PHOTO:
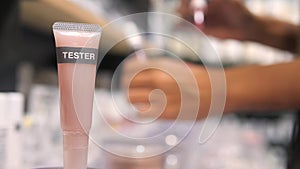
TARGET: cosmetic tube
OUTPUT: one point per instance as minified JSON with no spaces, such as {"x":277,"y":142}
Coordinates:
{"x":76,"y":51}
{"x":198,"y":7}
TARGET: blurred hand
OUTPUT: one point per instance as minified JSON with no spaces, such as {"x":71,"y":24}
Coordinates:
{"x":186,"y":10}
{"x":227,"y":19}
{"x":167,"y":87}
{"x":223,"y":18}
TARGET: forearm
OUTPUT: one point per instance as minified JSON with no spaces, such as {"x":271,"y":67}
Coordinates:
{"x":279,"y":34}
{"x":256,"y":88}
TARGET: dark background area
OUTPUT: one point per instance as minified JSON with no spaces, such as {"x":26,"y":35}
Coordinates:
{"x":20,"y":43}
{"x":10,"y":34}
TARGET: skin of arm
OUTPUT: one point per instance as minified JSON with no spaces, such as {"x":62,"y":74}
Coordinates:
{"x":255,"y":88}
{"x":249,"y":88}
{"x":276,"y":33}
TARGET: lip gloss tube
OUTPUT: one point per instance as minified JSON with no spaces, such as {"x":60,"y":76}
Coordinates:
{"x":77,"y":52}
{"x":198,"y":7}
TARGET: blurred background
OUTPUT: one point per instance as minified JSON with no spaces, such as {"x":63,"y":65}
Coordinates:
{"x":30,"y":99}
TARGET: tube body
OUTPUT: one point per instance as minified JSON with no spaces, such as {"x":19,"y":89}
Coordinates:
{"x":76,"y":50}
{"x":198,"y":7}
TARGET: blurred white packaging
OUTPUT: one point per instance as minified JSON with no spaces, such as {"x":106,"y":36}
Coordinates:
{"x":11,"y":114}
{"x":42,"y":133}
{"x":3,"y":130}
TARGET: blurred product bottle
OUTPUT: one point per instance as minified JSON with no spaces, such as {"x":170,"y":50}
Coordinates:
{"x":11,"y":114}
{"x":41,"y":127}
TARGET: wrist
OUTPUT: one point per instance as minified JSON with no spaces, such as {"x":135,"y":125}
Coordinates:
{"x":231,"y":101}
{"x":274,"y":33}
{"x":237,"y":86}
{"x":257,"y":29}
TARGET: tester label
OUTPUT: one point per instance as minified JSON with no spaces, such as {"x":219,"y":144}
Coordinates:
{"x":77,"y":55}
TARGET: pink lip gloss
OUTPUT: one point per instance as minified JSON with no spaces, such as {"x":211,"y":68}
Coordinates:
{"x":77,"y":51}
